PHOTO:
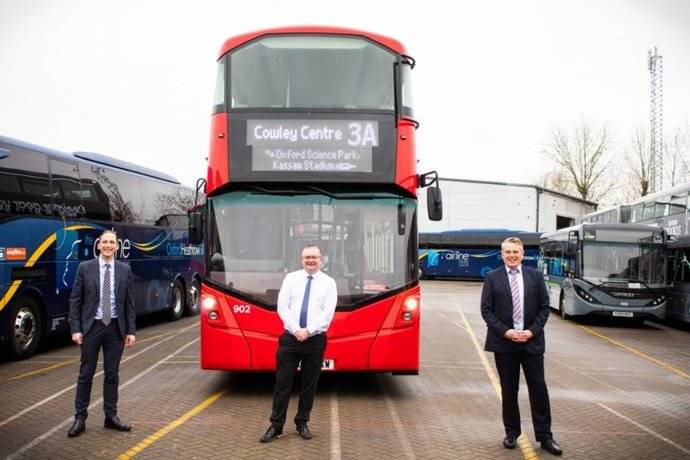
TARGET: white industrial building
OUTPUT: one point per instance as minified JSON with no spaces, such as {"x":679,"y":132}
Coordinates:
{"x":481,"y":204}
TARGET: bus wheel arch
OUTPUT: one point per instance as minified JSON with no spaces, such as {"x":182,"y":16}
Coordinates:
{"x":26,"y":328}
{"x":193,"y":297}
{"x":177,"y":300}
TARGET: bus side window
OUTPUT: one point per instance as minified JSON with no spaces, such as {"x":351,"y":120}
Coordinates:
{"x":66,"y":189}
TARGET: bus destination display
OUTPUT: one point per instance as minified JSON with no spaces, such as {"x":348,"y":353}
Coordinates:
{"x":312,"y":145}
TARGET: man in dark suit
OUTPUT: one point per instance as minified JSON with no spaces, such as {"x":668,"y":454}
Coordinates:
{"x":102,"y":315}
{"x":515,"y":306}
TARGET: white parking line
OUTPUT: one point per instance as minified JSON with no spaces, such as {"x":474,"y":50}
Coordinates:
{"x":644,"y":428}
{"x":65,"y":390}
{"x":405,"y":444}
{"x":94,"y":404}
{"x":335,"y":427}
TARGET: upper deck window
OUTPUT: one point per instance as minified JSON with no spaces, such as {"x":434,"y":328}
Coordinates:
{"x":312,"y":72}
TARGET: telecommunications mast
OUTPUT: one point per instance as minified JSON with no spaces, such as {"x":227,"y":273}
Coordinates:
{"x":656,"y":138}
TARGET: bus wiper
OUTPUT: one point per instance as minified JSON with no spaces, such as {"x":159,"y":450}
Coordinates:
{"x":341,"y":196}
{"x":623,"y":280}
{"x":265,"y":191}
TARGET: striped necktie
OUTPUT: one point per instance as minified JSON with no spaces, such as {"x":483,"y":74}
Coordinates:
{"x":515,"y":292}
{"x":105,"y":300}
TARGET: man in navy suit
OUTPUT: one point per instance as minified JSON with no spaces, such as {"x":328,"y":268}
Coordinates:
{"x":515,"y":306}
{"x":102,"y":315}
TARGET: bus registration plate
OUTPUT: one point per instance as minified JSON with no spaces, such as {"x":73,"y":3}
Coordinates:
{"x":625,"y":314}
{"x":328,"y":365}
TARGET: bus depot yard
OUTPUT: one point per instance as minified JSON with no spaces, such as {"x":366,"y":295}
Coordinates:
{"x":618,"y":390}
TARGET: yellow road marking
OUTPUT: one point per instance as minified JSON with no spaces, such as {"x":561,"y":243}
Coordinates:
{"x":635,"y":351}
{"x":42,"y":370}
{"x":526,"y":447}
{"x":136,"y":450}
{"x":71,"y":361}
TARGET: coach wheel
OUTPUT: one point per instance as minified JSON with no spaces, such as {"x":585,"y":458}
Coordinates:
{"x":194,"y":295}
{"x":25,"y":328}
{"x":176,"y":301}
{"x":561,"y":306}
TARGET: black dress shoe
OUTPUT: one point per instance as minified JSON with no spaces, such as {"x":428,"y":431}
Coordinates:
{"x":115,"y":423}
{"x":303,"y":431}
{"x":78,"y":428}
{"x":510,"y":441}
{"x":271,"y":434}
{"x":551,"y":447}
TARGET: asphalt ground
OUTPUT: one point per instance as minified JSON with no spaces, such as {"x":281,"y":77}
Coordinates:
{"x":618,"y":390}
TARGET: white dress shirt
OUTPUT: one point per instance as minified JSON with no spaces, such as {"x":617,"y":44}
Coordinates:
{"x":323,"y":296}
{"x":113,"y":309}
{"x":521,"y":285}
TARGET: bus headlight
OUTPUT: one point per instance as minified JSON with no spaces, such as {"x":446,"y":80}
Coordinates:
{"x":211,"y":308}
{"x":411,"y":304}
{"x":208,"y":302}
{"x":659,"y":300}
{"x":585,"y":295}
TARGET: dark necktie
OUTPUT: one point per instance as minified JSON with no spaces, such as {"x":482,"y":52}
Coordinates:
{"x":105,"y":301}
{"x":305,"y":304}
{"x":515,"y":291}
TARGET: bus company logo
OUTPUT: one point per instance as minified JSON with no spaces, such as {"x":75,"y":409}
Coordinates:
{"x":181,"y":249}
{"x":624,"y":294}
{"x":15,"y":254}
{"x":463,"y":258}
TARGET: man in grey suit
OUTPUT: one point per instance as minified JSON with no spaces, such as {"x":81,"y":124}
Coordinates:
{"x":102,"y":315}
{"x":515,"y":306}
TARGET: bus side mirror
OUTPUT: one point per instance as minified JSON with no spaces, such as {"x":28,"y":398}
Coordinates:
{"x":434,"y":203}
{"x":196,"y":227}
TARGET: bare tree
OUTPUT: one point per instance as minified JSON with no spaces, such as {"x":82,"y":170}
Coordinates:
{"x":583,"y":154}
{"x":638,"y":158}
{"x":677,"y":156}
{"x":556,"y":180}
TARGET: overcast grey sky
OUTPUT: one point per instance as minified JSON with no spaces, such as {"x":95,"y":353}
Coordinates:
{"x":135,"y":79}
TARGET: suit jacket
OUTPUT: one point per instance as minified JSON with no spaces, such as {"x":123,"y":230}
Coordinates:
{"x":86,"y":294}
{"x":497,"y":310}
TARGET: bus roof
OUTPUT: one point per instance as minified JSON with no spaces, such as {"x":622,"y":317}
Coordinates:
{"x":233,"y":42}
{"x":621,"y":227}
{"x":662,"y":193}
{"x":478,"y":237}
{"x":98,"y":158}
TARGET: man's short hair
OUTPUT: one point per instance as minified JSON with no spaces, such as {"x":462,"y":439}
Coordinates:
{"x":108,"y":231}
{"x":513,"y":240}
{"x":309,"y":246}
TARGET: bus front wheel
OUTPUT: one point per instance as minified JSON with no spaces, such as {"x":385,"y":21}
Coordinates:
{"x":176,"y":301}
{"x":25,"y":328}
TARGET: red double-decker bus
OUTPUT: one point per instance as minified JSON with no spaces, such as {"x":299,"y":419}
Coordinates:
{"x":312,"y":142}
